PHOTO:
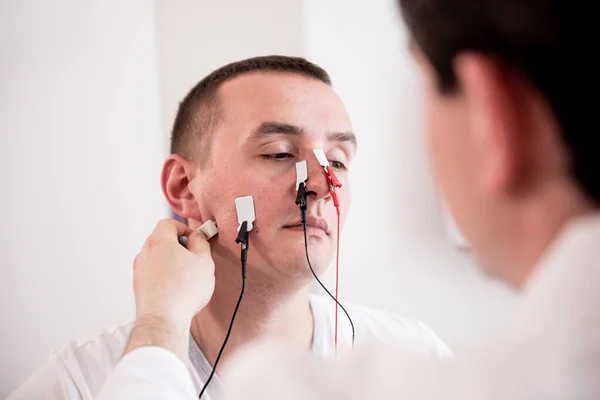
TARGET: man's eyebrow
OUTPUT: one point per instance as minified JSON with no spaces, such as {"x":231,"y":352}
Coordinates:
{"x":273,"y":127}
{"x":343,"y":137}
{"x":278,"y":128}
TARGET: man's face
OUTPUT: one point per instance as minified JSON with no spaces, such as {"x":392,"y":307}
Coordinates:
{"x":270,"y":122}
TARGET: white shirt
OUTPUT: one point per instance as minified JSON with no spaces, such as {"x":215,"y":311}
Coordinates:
{"x":551,"y":352}
{"x":79,"y":370}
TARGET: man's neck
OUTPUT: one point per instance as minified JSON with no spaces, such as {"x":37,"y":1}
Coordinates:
{"x":267,"y":311}
{"x":541,"y":226}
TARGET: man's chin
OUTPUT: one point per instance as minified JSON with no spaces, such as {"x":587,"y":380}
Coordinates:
{"x":294,"y":259}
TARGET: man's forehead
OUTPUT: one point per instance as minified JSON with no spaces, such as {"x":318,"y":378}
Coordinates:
{"x":271,"y":83}
{"x":287,"y":98}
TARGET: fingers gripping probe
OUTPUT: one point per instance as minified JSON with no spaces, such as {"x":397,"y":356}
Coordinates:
{"x":209,"y":229}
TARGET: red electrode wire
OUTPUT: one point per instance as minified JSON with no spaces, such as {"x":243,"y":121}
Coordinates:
{"x":337,"y":274}
{"x":333,"y":184}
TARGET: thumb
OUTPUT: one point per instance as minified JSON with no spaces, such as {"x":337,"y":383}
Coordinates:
{"x":197,"y":243}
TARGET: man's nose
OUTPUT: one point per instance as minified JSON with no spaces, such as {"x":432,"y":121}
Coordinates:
{"x":317,"y":186}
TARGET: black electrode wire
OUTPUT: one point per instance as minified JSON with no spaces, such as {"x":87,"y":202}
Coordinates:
{"x":303,"y":213}
{"x":243,"y":238}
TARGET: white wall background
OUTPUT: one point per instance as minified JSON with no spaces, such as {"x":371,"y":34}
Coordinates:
{"x":89,"y":93}
{"x":80,"y":157}
{"x":196,"y":37}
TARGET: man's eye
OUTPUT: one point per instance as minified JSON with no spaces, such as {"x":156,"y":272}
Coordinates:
{"x":337,"y":165}
{"x":277,"y":156}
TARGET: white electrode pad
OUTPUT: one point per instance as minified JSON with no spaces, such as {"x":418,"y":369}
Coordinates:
{"x":245,"y":211}
{"x":301,"y":173}
{"x":320,"y":154}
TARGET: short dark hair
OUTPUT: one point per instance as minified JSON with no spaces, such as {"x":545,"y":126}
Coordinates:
{"x":200,"y":110}
{"x":537,"y":38}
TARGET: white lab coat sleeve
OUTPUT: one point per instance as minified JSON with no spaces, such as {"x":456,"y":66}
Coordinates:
{"x":49,"y":383}
{"x":149,"y":373}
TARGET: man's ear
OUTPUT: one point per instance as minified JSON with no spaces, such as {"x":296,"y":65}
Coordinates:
{"x":176,"y":178}
{"x":496,"y":113}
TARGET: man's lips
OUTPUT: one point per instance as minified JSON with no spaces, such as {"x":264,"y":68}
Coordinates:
{"x":312,"y":223}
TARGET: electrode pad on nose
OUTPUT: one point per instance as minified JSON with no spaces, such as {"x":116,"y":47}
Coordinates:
{"x":301,"y":173}
{"x":321,"y":158}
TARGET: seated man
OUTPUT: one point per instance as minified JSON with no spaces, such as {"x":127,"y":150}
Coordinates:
{"x":240,"y":131}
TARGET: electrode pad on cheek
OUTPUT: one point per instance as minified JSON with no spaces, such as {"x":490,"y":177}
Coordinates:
{"x":245,"y":211}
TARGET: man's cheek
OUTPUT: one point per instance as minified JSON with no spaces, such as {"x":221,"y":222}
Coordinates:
{"x":267,"y":206}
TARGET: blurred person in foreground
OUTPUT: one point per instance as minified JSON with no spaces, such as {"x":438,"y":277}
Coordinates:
{"x":511,"y":139}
